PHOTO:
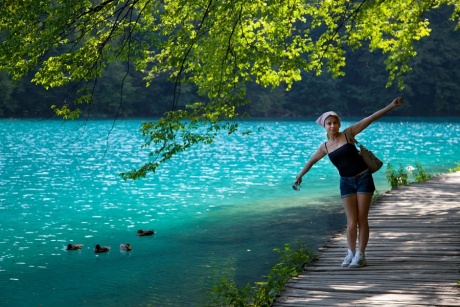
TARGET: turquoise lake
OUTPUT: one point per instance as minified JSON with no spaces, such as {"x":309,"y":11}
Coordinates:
{"x":218,"y":211}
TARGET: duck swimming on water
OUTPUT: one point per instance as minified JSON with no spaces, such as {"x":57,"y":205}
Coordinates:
{"x":126,"y":247}
{"x":145,"y":232}
{"x":101,"y":249}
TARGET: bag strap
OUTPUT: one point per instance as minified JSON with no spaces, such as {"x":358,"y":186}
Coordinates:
{"x":351,"y":138}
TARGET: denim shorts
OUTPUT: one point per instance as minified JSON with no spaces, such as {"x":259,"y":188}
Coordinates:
{"x":360,"y":184}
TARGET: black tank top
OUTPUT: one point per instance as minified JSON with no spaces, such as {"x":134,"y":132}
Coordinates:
{"x":347,"y":159}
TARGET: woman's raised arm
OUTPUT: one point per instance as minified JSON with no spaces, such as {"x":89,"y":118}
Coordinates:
{"x":365,"y":122}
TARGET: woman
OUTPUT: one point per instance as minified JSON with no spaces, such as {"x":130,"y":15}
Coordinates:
{"x":356,"y":182}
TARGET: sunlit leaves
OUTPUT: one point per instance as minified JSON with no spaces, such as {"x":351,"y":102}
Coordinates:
{"x":217,"y":45}
{"x":392,"y":27}
{"x":65,"y":112}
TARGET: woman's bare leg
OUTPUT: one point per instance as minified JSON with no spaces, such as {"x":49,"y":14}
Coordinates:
{"x":363,"y":206}
{"x":351,"y":210}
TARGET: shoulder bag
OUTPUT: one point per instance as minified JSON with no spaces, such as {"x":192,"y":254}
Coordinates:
{"x":373,"y":163}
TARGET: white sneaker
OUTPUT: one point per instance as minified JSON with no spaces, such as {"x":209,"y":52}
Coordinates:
{"x":348,"y":258}
{"x":358,"y":261}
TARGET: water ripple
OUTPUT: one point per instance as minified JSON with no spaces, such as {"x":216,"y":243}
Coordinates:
{"x":218,"y":210}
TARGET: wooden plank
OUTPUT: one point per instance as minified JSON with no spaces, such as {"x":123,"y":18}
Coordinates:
{"x":385,"y":299}
{"x":382,"y":282}
{"x":413,"y":254}
{"x":368,"y":287}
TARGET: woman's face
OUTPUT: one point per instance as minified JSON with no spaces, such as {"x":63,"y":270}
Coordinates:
{"x":332,"y":125}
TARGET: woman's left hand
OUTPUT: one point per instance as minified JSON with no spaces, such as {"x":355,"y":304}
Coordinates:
{"x":397,"y":102}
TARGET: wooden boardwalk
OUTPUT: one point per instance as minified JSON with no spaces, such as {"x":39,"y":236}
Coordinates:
{"x":413,"y":254}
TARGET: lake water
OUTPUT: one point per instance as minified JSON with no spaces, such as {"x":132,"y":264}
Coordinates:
{"x":218,"y":211}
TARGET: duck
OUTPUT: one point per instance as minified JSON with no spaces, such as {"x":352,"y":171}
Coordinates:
{"x":126,"y":247}
{"x":145,"y":232}
{"x":72,"y":247}
{"x":101,"y":249}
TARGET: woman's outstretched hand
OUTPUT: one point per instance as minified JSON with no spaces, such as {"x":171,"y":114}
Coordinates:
{"x":298,"y":180}
{"x":397,"y":102}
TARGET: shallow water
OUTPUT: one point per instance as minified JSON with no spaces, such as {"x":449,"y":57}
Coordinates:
{"x":218,"y":211}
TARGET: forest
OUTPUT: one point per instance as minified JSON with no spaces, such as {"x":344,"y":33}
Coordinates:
{"x":431,"y":88}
